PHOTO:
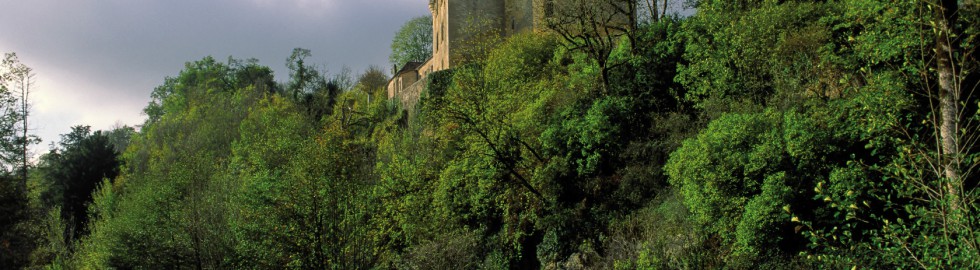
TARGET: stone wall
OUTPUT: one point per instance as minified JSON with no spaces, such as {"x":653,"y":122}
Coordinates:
{"x":459,"y":25}
{"x":440,"y":42}
{"x":409,"y":96}
{"x":404,"y":78}
{"x":519,"y":16}
{"x":467,"y":19}
{"x":456,"y":23}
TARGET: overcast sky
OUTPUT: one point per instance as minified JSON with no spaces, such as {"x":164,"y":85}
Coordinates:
{"x":97,"y":61}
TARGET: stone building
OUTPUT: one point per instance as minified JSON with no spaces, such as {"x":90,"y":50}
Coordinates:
{"x":458,"y":26}
{"x":456,"y":22}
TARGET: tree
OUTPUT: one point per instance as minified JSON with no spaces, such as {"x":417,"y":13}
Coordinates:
{"x":412,"y":43}
{"x":940,"y":164}
{"x":732,"y":58}
{"x":373,"y":79}
{"x":303,"y":77}
{"x":652,"y":10}
{"x":300,"y":195}
{"x":74,"y":169}
{"x":344,"y":80}
{"x":20,"y":78}
{"x":119,"y":137}
{"x":169,"y":205}
{"x":594,"y":28}
{"x":311,"y":88}
{"x":13,"y":211}
{"x":950,"y":77}
{"x":16,"y":80}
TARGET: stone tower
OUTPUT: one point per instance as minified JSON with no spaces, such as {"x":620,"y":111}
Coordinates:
{"x":458,"y":26}
{"x":457,"y":22}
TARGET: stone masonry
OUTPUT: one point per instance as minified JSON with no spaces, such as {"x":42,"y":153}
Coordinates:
{"x":454,"y":23}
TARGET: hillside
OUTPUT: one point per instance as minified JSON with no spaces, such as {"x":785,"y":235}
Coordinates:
{"x":751,"y":135}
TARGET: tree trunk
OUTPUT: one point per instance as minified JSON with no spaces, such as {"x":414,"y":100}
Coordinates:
{"x":949,"y":98}
{"x":652,"y":8}
{"x":25,"y":92}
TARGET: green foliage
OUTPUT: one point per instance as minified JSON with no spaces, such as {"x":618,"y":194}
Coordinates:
{"x":535,"y":148}
{"x":754,"y":134}
{"x":72,"y":172}
{"x":408,"y":170}
{"x":746,"y":177}
{"x":412,"y":42}
{"x":54,"y":247}
{"x":300,"y":197}
{"x":182,"y":93}
{"x":448,"y":251}
{"x":13,"y":233}
{"x":169,"y":206}
{"x":724,"y":168}
{"x":595,"y":135}
{"x":660,"y":236}
{"x":729,"y":54}
{"x":310,"y":87}
{"x":372,"y":81}
{"x":16,"y":230}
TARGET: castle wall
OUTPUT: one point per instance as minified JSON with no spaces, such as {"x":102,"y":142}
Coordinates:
{"x":410,"y":95}
{"x":401,"y":81}
{"x":539,"y":15}
{"x":440,"y":44}
{"x":519,"y":16}
{"x":467,"y":20}
{"x":459,"y":26}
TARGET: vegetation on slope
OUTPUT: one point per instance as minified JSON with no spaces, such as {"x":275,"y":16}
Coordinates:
{"x":756,"y":134}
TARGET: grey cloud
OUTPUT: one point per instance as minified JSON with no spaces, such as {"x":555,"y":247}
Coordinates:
{"x":123,"y":48}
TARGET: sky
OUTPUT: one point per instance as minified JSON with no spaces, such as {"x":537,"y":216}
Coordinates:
{"x":97,"y":61}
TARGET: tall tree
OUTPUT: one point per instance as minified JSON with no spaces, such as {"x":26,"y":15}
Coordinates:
{"x":344,"y":80}
{"x":950,"y":83}
{"x":311,"y":87}
{"x":15,"y":78}
{"x":119,"y":137}
{"x":20,"y":78}
{"x":301,"y":74}
{"x":74,"y":169}
{"x":412,"y":43}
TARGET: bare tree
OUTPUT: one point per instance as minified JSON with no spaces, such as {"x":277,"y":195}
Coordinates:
{"x":653,"y":10}
{"x":21,"y":79}
{"x":593,"y":26}
{"x":26,"y":82}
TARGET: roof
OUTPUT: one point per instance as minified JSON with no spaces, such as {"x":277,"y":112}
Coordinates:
{"x":410,"y":66}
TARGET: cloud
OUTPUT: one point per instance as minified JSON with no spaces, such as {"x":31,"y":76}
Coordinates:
{"x":98,"y":60}
{"x":307,"y":5}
